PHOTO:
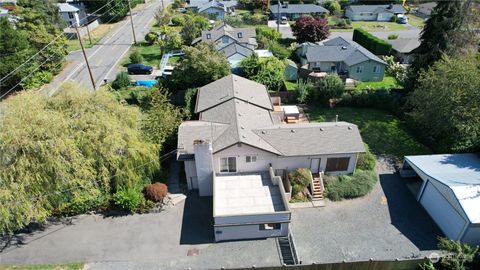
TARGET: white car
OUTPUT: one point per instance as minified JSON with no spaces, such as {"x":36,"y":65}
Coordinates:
{"x":402,"y":19}
{"x":283,"y":20}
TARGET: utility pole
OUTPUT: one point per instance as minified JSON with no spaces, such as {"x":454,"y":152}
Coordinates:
{"x":131,"y":21}
{"x":86,"y":58}
{"x":278,"y":15}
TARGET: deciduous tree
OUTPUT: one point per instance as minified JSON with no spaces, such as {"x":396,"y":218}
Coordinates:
{"x":267,"y":71}
{"x":310,"y":29}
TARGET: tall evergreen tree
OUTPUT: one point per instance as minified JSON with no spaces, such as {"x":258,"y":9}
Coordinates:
{"x":438,"y":35}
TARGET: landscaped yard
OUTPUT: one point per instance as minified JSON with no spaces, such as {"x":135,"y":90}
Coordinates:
{"x":63,"y":266}
{"x":371,"y":26}
{"x":416,"y":21}
{"x":151,"y":54}
{"x":173,"y":60}
{"x":387,"y":83}
{"x":383,"y":132}
{"x":290,"y":85}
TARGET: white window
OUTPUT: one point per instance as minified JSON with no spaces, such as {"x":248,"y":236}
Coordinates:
{"x":228,"y":164}
{"x":209,"y":36}
{"x":250,"y":159}
{"x":269,"y":226}
{"x":359,"y":69}
{"x":376,"y":69}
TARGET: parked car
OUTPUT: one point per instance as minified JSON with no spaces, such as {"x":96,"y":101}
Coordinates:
{"x":283,"y":20}
{"x":146,"y":83}
{"x":402,"y":19}
{"x":139,"y":69}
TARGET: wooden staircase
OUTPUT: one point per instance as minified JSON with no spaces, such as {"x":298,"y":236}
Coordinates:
{"x":317,"y":188}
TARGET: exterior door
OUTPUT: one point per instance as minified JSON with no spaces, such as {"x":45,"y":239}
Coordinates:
{"x":315,"y":165}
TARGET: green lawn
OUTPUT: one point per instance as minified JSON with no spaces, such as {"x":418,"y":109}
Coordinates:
{"x":383,"y":132}
{"x":372,"y":26}
{"x":290,"y":85}
{"x":174,"y":60}
{"x":62,"y":266}
{"x":151,"y":54}
{"x":387,"y":83}
{"x":416,"y":21}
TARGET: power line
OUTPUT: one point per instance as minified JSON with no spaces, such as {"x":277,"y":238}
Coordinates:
{"x":50,"y":43}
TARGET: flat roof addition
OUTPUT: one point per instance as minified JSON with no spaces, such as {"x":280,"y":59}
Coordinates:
{"x":245,"y":195}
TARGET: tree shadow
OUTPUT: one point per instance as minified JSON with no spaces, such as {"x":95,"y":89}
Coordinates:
{"x":408,"y":215}
{"x":197,"y":221}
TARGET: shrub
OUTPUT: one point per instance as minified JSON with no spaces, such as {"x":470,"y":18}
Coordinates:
{"x":155,"y":192}
{"x":384,"y":99}
{"x":392,"y":36}
{"x":395,"y":69}
{"x":190,"y":99}
{"x":38,"y":79}
{"x":268,"y":32}
{"x":370,"y":42}
{"x":178,"y":20}
{"x":278,"y":50}
{"x":350,"y":186}
{"x":366,"y":161}
{"x":151,"y":38}
{"x":127,"y":198}
{"x":331,"y":86}
{"x":234,"y":21}
{"x":300,"y":179}
{"x":136,"y":58}
{"x":393,"y":18}
{"x":121,"y":81}
{"x":303,"y":89}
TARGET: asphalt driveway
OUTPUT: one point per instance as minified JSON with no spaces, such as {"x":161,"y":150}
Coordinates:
{"x":388,"y":223}
{"x":285,"y":29}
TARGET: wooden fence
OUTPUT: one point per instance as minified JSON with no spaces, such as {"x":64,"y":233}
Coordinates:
{"x":407,"y":264}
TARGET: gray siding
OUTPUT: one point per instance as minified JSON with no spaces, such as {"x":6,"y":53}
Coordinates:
{"x":367,"y":74}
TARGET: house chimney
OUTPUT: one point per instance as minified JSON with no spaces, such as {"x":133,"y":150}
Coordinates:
{"x":204,"y":165}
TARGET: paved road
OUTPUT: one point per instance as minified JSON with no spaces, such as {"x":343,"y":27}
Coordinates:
{"x":285,"y":29}
{"x":105,"y":56}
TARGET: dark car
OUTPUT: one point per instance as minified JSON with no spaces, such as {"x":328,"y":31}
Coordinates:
{"x":139,"y":69}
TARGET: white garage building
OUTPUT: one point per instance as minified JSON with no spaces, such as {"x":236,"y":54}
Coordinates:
{"x":450,"y":192}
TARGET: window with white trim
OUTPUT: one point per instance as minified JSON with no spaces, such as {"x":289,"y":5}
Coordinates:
{"x":228,"y":164}
{"x":250,"y":159}
{"x":359,"y":69}
{"x":376,"y":69}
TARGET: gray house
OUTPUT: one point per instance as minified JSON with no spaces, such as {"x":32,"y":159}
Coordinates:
{"x":235,"y":53}
{"x":373,"y":12}
{"x":223,"y":35}
{"x":294,"y":11}
{"x":239,"y":149}
{"x":215,"y":10}
{"x":344,"y":57}
{"x":404,"y":49}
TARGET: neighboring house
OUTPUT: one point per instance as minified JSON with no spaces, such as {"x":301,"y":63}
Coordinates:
{"x":291,"y":71}
{"x":70,"y":14}
{"x":341,"y":56}
{"x":404,"y":49}
{"x":373,"y":12}
{"x":224,"y":35}
{"x":3,"y":12}
{"x":235,"y":53}
{"x":424,"y":10}
{"x":238,"y":146}
{"x":214,"y":9}
{"x":449,"y":190}
{"x":294,"y":11}
{"x":228,"y":4}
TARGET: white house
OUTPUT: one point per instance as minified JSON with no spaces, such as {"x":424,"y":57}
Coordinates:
{"x":449,"y":192}
{"x":223,"y":35}
{"x":70,"y":14}
{"x":373,"y":12}
{"x":238,"y":142}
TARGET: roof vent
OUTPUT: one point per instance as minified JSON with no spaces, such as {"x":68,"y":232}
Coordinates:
{"x":321,"y":129}
{"x":344,"y":47}
{"x":349,"y":128}
{"x":264,"y":132}
{"x":243,"y":136}
{"x":293,"y":130}
{"x":242,"y":127}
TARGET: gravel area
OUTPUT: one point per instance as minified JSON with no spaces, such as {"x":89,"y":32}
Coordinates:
{"x":387,"y":223}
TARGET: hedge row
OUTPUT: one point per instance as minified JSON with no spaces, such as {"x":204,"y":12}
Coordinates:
{"x":391,"y":100}
{"x":372,"y":43}
{"x":350,"y":186}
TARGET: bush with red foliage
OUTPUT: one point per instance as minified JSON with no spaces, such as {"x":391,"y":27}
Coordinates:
{"x":155,"y":192}
{"x":310,"y":29}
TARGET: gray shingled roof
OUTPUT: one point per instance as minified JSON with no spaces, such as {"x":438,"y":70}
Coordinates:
{"x":247,"y":34}
{"x":313,"y":138}
{"x":404,"y":45}
{"x":234,"y":110}
{"x":229,"y":87}
{"x":298,"y":8}
{"x":234,"y":48}
{"x":377,"y":8}
{"x":65,"y":7}
{"x":211,"y":4}
{"x":340,"y":50}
